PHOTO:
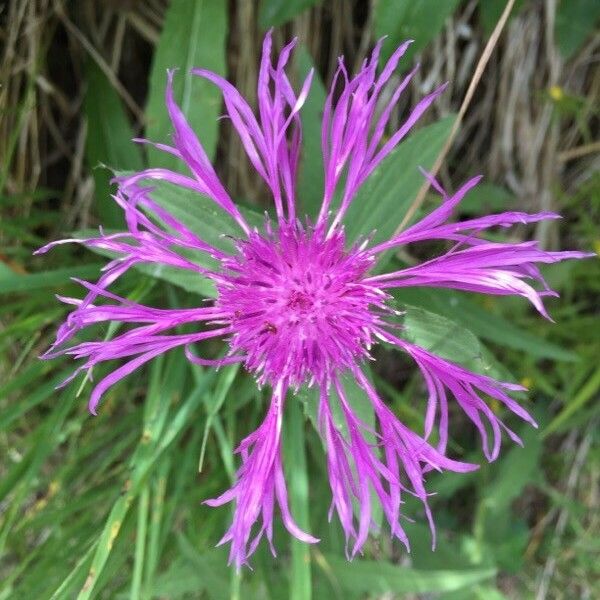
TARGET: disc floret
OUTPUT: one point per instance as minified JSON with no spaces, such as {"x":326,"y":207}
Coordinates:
{"x":298,"y":304}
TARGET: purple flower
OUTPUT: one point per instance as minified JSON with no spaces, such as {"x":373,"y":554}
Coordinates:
{"x":299,"y":306}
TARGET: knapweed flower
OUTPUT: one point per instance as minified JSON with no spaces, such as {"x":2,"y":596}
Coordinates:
{"x":299,"y":306}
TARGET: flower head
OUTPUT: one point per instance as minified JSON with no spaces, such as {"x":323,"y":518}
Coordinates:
{"x":298,"y":305}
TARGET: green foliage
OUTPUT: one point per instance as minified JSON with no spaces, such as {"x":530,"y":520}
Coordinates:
{"x":203,"y":217}
{"x":576,"y":20}
{"x":298,"y":484}
{"x":364,"y":576}
{"x":386,"y":195}
{"x":11,"y":282}
{"x":491,"y":10}
{"x":440,"y":335}
{"x":274,"y":13}
{"x":407,"y":20}
{"x":108,"y":142}
{"x":193,"y":35}
{"x":111,"y":507}
{"x":486,"y":198}
{"x":484,"y":323}
{"x":310,"y":177}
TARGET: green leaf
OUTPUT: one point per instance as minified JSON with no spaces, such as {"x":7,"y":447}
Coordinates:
{"x":356,"y":396}
{"x":33,"y":398}
{"x":361,"y":407}
{"x":588,"y":391}
{"x":214,"y":403}
{"x":179,"y":581}
{"x":189,"y":281}
{"x":481,"y":322}
{"x":297,"y":477}
{"x":378,"y":577}
{"x":72,"y":580}
{"x":448,"y":553}
{"x":204,"y":218}
{"x":140,"y":543}
{"x":108,"y":141}
{"x":209,"y":222}
{"x":159,"y":434}
{"x":575,"y":22}
{"x":500,"y":532}
{"x":518,"y":467}
{"x":277,"y":12}
{"x":11,"y":282}
{"x":193,"y":36}
{"x":385,"y":197}
{"x":409,"y":20}
{"x":486,"y":198}
{"x":202,"y":215}
{"x":441,"y":336}
{"x":190,"y":577}
{"x":491,"y":10}
{"x":210,"y":569}
{"x":18,"y":480}
{"x":450,"y":340}
{"x":311,"y":176}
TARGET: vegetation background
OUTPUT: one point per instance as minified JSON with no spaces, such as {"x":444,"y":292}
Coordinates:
{"x":110,"y":507}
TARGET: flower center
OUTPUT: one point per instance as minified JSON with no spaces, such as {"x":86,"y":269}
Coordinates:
{"x":297,"y":304}
{"x":300,"y":301}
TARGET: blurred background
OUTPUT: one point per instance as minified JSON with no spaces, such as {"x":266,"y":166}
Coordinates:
{"x":110,"y":507}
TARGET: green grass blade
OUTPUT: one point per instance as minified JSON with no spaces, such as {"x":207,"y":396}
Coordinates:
{"x":140,"y":544}
{"x":378,"y":577}
{"x":297,"y":476}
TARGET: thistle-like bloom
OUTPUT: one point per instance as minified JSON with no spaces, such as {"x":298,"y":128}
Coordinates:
{"x":298,"y":305}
